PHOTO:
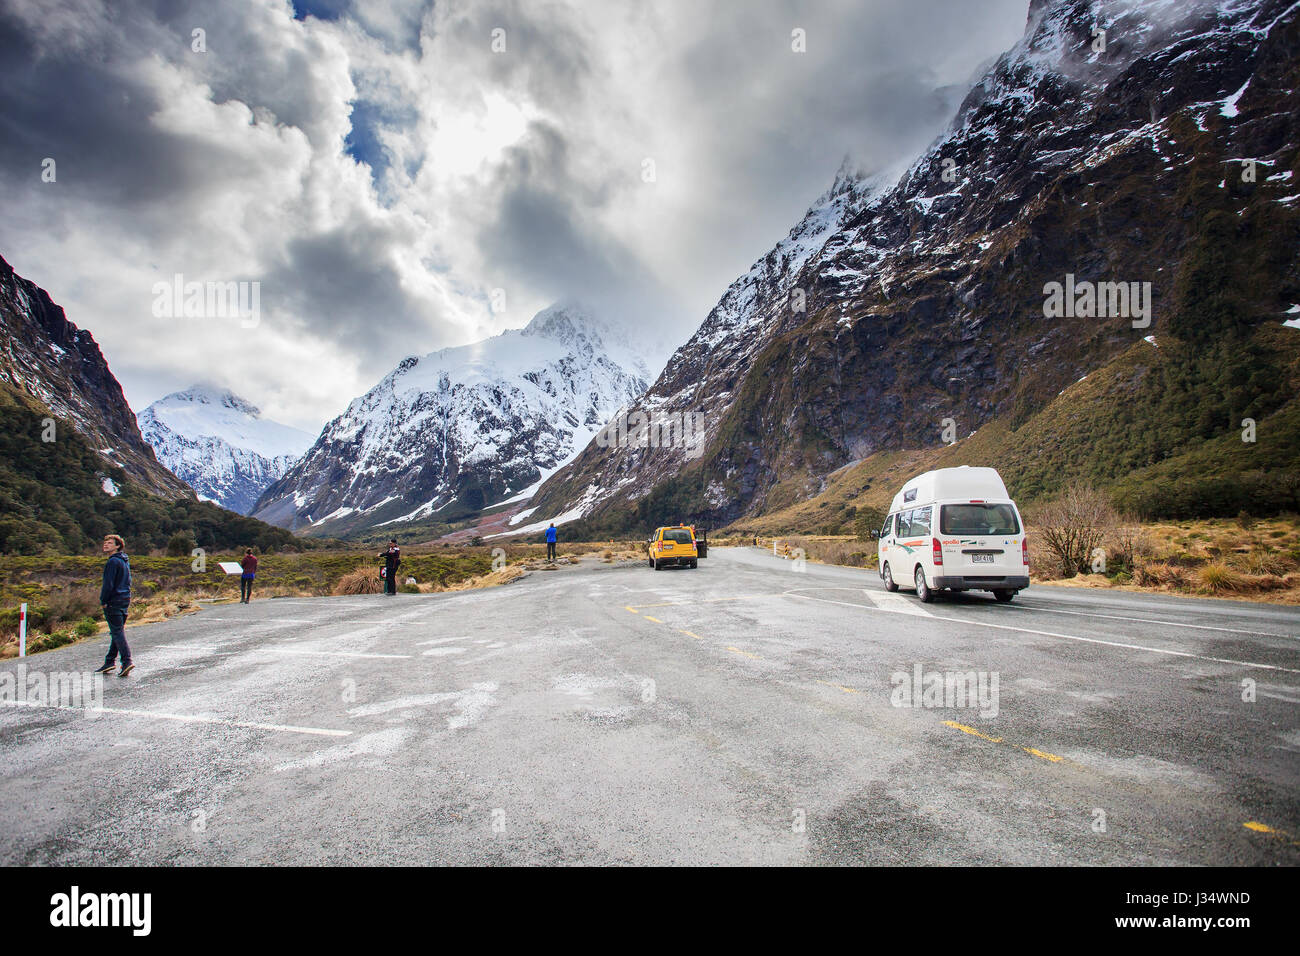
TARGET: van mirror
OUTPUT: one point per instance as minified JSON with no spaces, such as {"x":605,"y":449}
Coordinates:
{"x":875,"y":535}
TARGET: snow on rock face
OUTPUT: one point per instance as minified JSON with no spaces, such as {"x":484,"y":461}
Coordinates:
{"x":460,"y":428}
{"x":927,"y":284}
{"x":220,"y":444}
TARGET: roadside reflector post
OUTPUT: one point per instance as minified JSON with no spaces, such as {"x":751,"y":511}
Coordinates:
{"x":22,"y":631}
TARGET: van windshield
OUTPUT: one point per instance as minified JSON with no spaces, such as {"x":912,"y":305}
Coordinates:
{"x":978,"y":519}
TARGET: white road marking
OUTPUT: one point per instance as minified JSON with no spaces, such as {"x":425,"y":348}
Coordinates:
{"x":306,"y":652}
{"x":1145,"y":620}
{"x":896,"y":602}
{"x":1067,"y":637}
{"x":189,"y":719}
{"x":440,"y":640}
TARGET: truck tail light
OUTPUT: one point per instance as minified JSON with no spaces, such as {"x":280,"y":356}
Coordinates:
{"x":938,"y":550}
{"x":1024,"y":549}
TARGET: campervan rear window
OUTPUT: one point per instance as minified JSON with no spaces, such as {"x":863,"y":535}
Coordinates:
{"x":978,"y":519}
{"x":678,"y":535}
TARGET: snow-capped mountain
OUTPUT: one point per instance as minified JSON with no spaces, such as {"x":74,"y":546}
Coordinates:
{"x":462,"y":428}
{"x":220,"y":444}
{"x":898,"y":303}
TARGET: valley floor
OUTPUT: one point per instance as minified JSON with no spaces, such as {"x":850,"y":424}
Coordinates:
{"x":607,"y":713}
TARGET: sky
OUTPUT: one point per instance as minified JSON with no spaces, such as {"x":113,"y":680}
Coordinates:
{"x":398,"y":177}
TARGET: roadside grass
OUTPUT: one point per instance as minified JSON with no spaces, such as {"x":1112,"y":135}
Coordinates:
{"x":62,"y":591}
{"x":1244,"y":559}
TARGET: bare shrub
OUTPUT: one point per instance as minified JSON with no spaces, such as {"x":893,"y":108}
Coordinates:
{"x":1126,"y":544}
{"x":1073,"y":525}
{"x":69,"y":605}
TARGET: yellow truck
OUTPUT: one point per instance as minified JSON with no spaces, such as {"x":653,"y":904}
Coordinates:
{"x":673,"y":545}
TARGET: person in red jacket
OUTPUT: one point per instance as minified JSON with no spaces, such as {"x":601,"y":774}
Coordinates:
{"x":249,"y":564}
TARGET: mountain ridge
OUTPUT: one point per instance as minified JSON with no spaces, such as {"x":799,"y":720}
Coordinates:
{"x":462,"y":428}
{"x":923,"y":301}
{"x":219,"y":443}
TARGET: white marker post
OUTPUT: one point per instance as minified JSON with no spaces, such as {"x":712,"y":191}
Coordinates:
{"x":22,"y":631}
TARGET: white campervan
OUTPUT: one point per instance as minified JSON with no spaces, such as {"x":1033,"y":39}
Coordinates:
{"x":955,"y":529}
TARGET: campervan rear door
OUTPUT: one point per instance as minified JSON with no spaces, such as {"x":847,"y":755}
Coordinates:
{"x":980,"y":538}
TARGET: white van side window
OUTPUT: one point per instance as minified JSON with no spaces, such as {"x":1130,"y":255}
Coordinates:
{"x":921,"y":521}
{"x":904,"y":524}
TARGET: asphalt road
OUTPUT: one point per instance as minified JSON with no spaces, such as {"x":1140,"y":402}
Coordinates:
{"x":743,"y":712}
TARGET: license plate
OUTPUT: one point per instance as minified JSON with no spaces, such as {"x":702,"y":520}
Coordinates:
{"x":982,"y":558}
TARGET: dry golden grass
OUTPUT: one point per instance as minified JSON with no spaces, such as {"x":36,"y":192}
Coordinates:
{"x":490,"y":580}
{"x":363,"y":580}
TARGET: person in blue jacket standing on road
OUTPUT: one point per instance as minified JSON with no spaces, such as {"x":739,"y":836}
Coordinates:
{"x":115,"y":598}
{"x":550,"y":542}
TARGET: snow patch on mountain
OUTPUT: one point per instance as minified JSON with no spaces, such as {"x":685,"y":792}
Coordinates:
{"x":220,"y":444}
{"x":464,"y":428}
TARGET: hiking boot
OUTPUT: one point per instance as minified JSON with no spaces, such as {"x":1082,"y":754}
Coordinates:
{"x":106,"y":669}
{"x":126,"y":669}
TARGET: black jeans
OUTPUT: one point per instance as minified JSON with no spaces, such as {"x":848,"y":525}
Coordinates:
{"x":550,"y":551}
{"x":390,"y":580}
{"x":116,"y":617}
{"x":245,"y":588}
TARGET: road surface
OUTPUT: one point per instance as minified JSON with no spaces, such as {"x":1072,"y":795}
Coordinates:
{"x":744,"y":712}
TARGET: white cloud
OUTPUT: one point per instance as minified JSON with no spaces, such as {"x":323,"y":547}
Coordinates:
{"x":519,"y":170}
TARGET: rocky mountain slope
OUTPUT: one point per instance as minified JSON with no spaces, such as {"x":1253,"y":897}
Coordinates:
{"x":220,"y":444}
{"x":896,"y":312}
{"x":445,"y":435}
{"x":45,"y":356}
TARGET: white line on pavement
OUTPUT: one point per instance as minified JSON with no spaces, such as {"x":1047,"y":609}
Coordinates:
{"x":1067,"y":637}
{"x":895,"y":602}
{"x":188,"y":719}
{"x":1144,"y":620}
{"x":306,"y":652}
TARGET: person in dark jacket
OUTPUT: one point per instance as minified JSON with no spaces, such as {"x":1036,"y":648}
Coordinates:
{"x":115,"y":598}
{"x":551,"y":535}
{"x":392,"y":558}
{"x":249,"y":564}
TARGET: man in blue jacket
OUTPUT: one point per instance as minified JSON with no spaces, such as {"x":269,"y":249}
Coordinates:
{"x":115,"y":598}
{"x":550,"y":543}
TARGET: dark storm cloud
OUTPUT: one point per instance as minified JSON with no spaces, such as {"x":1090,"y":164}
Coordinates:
{"x":547,"y":235}
{"x":342,"y":285}
{"x":170,"y":160}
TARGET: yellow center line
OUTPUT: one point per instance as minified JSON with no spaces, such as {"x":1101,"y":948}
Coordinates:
{"x":972,"y":731}
{"x":847,"y":690}
{"x":632,"y":609}
{"x":1041,"y":753}
{"x":737,"y":650}
{"x":1270,"y":831}
{"x":742,"y":597}
{"x":655,"y":619}
{"x":689,"y":634}
{"x":1033,"y":751}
